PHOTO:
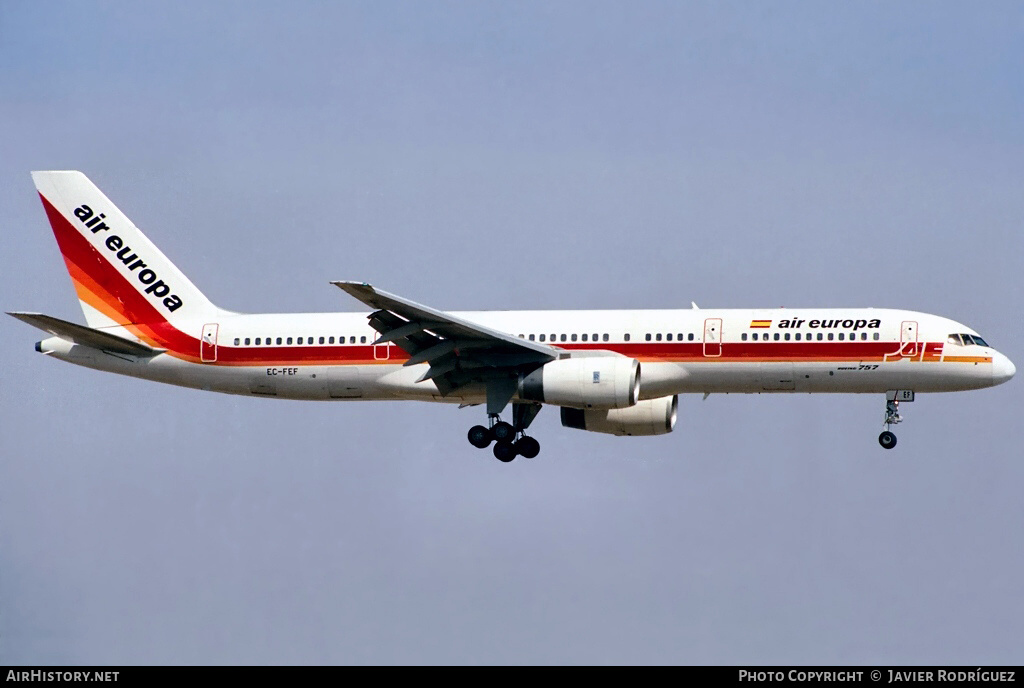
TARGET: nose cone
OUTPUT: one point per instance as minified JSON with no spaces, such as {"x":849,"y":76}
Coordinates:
{"x":1002,"y":369}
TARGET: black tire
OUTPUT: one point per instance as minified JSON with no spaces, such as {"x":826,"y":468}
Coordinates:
{"x":502,"y":432}
{"x":479,"y":437}
{"x":887,"y":440}
{"x":527,"y":447}
{"x":504,"y":451}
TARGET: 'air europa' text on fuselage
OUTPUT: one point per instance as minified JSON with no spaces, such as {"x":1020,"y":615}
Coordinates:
{"x":825,"y":324}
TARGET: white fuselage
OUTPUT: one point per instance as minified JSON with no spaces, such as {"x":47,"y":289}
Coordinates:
{"x":331,"y":356}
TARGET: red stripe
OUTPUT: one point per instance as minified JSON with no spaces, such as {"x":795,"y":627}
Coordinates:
{"x":667,"y":352}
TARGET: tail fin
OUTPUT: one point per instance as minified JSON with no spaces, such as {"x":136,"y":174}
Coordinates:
{"x":121,"y":278}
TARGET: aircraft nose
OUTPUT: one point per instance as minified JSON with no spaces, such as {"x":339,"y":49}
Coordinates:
{"x":1002,"y":368}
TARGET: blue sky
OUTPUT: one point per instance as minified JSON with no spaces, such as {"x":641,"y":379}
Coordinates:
{"x":514,"y":156}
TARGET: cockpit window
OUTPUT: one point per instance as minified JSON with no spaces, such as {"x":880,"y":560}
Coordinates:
{"x":966,"y":340}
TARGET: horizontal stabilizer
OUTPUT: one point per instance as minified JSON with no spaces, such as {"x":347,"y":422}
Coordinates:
{"x":86,"y":336}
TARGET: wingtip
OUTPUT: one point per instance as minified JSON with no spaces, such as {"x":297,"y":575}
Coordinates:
{"x":343,"y":284}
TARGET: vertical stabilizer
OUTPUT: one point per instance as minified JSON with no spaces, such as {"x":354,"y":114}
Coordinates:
{"x":121,"y":278}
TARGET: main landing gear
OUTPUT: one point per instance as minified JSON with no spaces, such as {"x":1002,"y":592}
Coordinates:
{"x":509,"y":439}
{"x":892,"y":416}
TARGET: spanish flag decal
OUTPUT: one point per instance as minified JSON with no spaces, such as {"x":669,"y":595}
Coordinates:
{"x":760,"y":323}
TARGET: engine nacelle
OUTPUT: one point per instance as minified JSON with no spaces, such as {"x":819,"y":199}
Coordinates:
{"x":649,"y":417}
{"x":591,"y":382}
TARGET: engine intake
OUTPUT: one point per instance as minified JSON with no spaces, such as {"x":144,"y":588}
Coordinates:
{"x":649,"y":417}
{"x":592,"y":382}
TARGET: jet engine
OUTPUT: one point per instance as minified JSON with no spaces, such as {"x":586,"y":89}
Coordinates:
{"x":649,"y":417}
{"x":591,"y":382}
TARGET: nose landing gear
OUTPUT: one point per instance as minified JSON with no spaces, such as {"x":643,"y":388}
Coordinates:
{"x":892,"y":416}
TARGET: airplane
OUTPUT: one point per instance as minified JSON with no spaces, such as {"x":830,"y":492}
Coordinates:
{"x":609,"y":371}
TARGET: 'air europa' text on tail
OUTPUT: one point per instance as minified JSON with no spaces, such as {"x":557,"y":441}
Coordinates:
{"x":154,"y":285}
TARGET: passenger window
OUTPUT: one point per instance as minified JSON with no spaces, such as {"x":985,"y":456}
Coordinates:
{"x":831,"y":336}
{"x":647,"y":337}
{"x":776,"y":336}
{"x":563,"y":337}
{"x":797,"y":336}
{"x":573,"y":338}
{"x":543,"y":337}
{"x":257,"y":341}
{"x":604,"y":337}
{"x":309,"y":340}
{"x":593,"y":338}
{"x":689,"y":337}
{"x":820,"y":336}
{"x":362,"y":340}
{"x":584,"y":336}
{"x":743,"y":336}
{"x":289,"y":340}
{"x":236,"y":341}
{"x":679,"y":336}
{"x":625,"y":337}
{"x":247,"y":340}
{"x":330,"y":340}
{"x":786,"y":337}
{"x":279,"y":340}
{"x":863,"y":336}
{"x":658,"y":336}
{"x":841,"y":336}
{"x":531,"y":337}
{"x":352,"y":340}
{"x":322,"y":340}
{"x":668,"y":337}
{"x":554,"y":337}
{"x":876,"y":336}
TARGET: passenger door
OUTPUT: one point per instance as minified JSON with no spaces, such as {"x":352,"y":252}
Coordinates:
{"x":208,"y":343}
{"x":713,"y":337}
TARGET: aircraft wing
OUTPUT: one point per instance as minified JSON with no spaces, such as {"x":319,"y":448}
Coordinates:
{"x":458,"y":351}
{"x":86,"y":336}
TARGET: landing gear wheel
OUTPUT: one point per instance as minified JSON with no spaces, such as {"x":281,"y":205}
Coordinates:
{"x":887,"y":439}
{"x":479,"y":436}
{"x":527,"y":447}
{"x":504,"y":451}
{"x":503,"y":432}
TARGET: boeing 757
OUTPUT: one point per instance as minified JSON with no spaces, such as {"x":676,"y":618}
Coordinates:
{"x":611,"y":371}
